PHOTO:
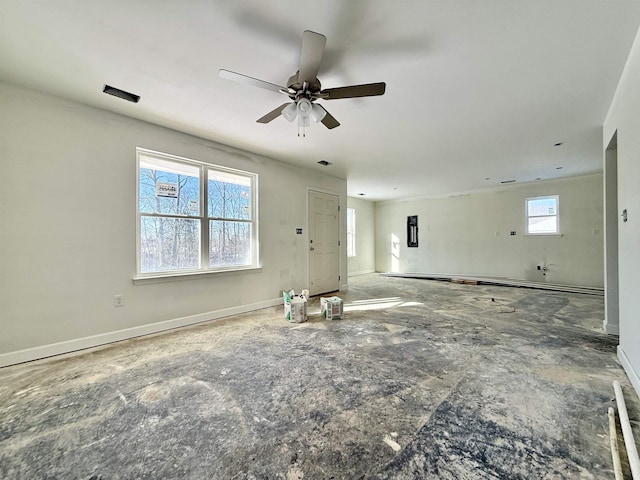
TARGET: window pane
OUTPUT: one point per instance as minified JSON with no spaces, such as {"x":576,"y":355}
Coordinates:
{"x":169,"y":187}
{"x":229,"y":243}
{"x":168,"y":244}
{"x":542,"y":206}
{"x":229,"y":196}
{"x":543,"y":224}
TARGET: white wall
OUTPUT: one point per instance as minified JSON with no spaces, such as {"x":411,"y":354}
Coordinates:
{"x":469,"y":234}
{"x":68,"y":223}
{"x":624,"y":118}
{"x":364,"y":261}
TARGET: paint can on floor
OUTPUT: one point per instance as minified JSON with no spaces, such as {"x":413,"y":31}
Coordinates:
{"x":331,"y":308}
{"x":295,"y":306}
{"x":298,"y":310}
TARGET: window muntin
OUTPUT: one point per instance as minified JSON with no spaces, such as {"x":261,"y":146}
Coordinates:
{"x":351,"y":232}
{"x":175,"y":235}
{"x":542,"y":215}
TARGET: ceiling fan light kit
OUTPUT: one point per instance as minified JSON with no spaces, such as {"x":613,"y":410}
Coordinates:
{"x":304,"y":88}
{"x":303,"y":110}
{"x":290,"y":112}
{"x":304,"y":107}
{"x":317,"y":112}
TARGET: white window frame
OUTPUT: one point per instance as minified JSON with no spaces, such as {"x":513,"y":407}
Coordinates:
{"x":556,"y":216}
{"x":203,"y":217}
{"x":351,"y":232}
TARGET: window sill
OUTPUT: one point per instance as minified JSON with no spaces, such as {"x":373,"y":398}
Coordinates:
{"x":543,"y":234}
{"x":179,"y":276}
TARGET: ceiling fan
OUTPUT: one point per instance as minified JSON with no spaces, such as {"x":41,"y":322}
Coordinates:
{"x":304,"y":88}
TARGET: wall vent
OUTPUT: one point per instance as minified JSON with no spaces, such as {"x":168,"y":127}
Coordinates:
{"x":116,"y":92}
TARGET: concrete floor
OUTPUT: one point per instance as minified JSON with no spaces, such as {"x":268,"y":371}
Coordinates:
{"x":421,"y":379}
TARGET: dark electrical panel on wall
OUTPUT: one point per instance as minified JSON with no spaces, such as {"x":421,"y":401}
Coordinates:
{"x":412,"y":231}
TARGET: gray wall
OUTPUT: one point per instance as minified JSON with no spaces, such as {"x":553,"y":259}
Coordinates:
{"x":624,"y":118}
{"x":470,"y":234}
{"x":68,"y":216}
{"x":364,"y":261}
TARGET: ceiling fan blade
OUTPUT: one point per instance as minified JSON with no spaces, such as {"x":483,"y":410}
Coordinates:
{"x":273,"y":114}
{"x":354,"y":91}
{"x":311,"y":55}
{"x":238,"y":77}
{"x":328,"y":120}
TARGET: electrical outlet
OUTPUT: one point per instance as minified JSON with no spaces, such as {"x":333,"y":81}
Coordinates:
{"x":118,"y":300}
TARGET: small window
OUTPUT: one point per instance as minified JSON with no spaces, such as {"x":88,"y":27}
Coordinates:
{"x":351,"y":232}
{"x":194,"y":217}
{"x":542,"y":215}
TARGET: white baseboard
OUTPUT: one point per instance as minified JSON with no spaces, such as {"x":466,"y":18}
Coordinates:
{"x":629,"y":370}
{"x":361,"y":272}
{"x":610,"y":328}
{"x":43,"y":351}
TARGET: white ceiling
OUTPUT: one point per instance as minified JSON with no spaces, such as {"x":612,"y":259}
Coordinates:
{"x":478,"y":92}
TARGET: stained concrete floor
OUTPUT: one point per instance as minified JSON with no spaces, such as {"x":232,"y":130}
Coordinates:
{"x":421,"y":379}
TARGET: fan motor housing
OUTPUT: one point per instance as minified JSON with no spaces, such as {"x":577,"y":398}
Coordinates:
{"x":295,"y":83}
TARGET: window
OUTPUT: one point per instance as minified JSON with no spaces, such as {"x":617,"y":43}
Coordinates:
{"x":351,"y":232}
{"x":542,"y":215}
{"x":194,"y":217}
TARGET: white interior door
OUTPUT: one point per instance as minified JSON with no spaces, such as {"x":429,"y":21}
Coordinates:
{"x":324,"y":243}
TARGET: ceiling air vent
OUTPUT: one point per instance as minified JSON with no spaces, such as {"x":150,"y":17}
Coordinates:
{"x":116,"y":92}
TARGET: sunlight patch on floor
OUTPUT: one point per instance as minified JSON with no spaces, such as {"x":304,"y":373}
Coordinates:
{"x":379,"y":304}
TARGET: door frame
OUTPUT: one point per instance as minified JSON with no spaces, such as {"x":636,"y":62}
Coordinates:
{"x":341,"y":221}
{"x":611,"y":323}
